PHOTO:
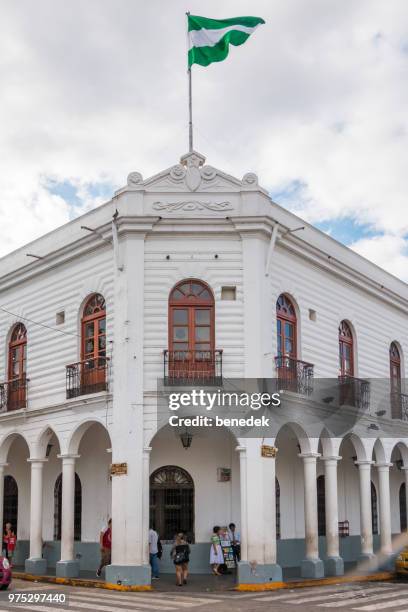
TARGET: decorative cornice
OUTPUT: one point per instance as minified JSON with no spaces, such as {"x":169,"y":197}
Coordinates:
{"x":192,"y":205}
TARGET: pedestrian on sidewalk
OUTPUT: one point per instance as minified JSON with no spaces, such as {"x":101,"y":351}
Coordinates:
{"x":6,"y":532}
{"x":153,"y":552}
{"x":11,"y":545}
{"x":216,"y":555}
{"x":235,"y":538}
{"x":105,"y":541}
{"x":180,"y":553}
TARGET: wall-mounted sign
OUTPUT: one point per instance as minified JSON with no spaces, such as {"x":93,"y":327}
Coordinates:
{"x":118,"y":469}
{"x":223,"y":474}
{"x":268,"y":451}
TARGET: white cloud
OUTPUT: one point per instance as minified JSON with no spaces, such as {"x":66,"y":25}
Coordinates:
{"x":98,"y":88}
{"x":388,"y":251}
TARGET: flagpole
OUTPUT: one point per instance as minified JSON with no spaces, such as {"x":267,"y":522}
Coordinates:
{"x":190,"y":111}
{"x":190,"y":99}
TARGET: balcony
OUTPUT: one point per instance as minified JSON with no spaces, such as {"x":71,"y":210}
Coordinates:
{"x":294,"y":375}
{"x":354,"y":392}
{"x":193,"y":367}
{"x":87,"y":376}
{"x":399,"y":405}
{"x":13,"y":394}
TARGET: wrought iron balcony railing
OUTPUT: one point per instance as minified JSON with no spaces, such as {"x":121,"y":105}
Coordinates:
{"x":193,"y":367}
{"x":399,"y":405}
{"x":13,"y":394}
{"x":87,"y":376}
{"x":354,"y":392}
{"x":294,"y":375}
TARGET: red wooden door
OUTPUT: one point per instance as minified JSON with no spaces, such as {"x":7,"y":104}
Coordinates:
{"x":93,"y":372}
{"x":17,"y":368}
{"x":191,"y":330}
{"x":286,"y":361}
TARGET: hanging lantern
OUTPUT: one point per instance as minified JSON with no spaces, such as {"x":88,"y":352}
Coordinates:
{"x":186,"y":438}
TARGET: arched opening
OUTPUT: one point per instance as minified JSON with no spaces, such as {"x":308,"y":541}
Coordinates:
{"x":191,"y":355}
{"x":321,"y":506}
{"x":374,"y":509}
{"x":93,"y":345}
{"x":278,"y":514}
{"x":10,"y":504}
{"x":403,"y":507}
{"x":172,"y":502}
{"x":17,"y":362}
{"x":58,"y":508}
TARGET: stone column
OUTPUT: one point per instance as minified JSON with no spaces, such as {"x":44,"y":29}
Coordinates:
{"x":68,"y":566}
{"x":258,"y":521}
{"x":243,"y":494}
{"x":366,"y":530}
{"x":383,"y":470}
{"x":405,"y":470}
{"x":35,"y":564}
{"x":2,"y":469}
{"x":129,"y":566}
{"x":312,"y":566}
{"x":146,"y":502}
{"x":334,"y":565}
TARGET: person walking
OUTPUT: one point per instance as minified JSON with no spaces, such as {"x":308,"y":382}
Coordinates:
{"x":180,"y":554}
{"x":7,"y":530}
{"x":105,"y":541}
{"x":153,"y":552}
{"x":216,"y":555}
{"x":234,"y":536}
{"x":11,"y":545}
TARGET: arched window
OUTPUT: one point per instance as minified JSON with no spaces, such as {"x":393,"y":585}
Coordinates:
{"x":93,"y":351}
{"x":286,"y":327}
{"x":17,"y":359}
{"x":346,"y":350}
{"x":374,"y":509}
{"x":58,"y":508}
{"x":395,"y":367}
{"x":278,"y":514}
{"x":172,"y":502}
{"x":191,"y":330}
{"x":403,"y":507}
{"x":321,"y":506}
{"x":397,"y":405}
{"x":10,"y":503}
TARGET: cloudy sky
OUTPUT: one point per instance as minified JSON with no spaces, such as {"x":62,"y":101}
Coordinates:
{"x":315,"y":103}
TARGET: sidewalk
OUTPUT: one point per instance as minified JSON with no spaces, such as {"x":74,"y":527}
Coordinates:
{"x":200,"y":583}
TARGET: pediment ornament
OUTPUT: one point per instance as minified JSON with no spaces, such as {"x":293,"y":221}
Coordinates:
{"x":192,"y":205}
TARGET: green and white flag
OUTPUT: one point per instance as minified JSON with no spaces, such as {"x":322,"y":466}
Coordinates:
{"x":209,"y":39}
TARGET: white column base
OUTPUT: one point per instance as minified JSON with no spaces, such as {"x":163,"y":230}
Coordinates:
{"x":248,"y":573}
{"x":334,"y":566}
{"x":367,"y":563}
{"x":36,"y":566}
{"x":128,"y":575}
{"x":312,"y":568}
{"x":67,"y":569}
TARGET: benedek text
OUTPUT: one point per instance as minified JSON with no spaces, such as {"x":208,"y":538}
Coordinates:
{"x":205,"y":421}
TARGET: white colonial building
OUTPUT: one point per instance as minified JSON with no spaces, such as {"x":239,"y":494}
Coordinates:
{"x":186,"y":272}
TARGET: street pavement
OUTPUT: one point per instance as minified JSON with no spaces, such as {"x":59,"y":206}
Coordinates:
{"x":362,"y":597}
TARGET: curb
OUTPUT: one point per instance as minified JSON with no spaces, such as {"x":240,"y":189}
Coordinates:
{"x":269,"y":586}
{"x":80,"y":582}
{"x":299,"y":584}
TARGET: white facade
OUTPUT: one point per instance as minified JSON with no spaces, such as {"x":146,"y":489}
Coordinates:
{"x":193,"y":221}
